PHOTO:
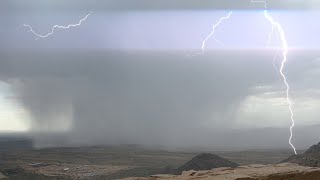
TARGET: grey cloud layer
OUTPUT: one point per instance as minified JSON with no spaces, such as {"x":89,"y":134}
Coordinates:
{"x":148,"y":98}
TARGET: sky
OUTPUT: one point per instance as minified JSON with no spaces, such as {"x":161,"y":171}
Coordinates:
{"x":126,"y":75}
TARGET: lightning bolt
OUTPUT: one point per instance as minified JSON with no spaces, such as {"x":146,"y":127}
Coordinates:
{"x":276,"y":27}
{"x":283,"y":41}
{"x":38,"y":36}
{"x":204,"y":42}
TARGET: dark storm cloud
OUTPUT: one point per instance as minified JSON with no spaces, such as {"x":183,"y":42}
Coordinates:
{"x":141,"y":97}
{"x":114,"y":5}
{"x":134,"y":97}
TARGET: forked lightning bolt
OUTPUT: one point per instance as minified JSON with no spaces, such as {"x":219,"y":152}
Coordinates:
{"x":284,"y":60}
{"x":213,"y":31}
{"x":276,"y":27}
{"x":38,"y":36}
{"x":284,"y":46}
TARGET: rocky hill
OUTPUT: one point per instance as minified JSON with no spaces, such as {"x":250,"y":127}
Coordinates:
{"x":205,"y":161}
{"x":311,"y":157}
{"x":285,"y":171}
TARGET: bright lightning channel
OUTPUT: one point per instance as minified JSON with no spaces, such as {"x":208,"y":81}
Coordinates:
{"x":204,"y":42}
{"x":38,"y":36}
{"x":282,"y":37}
{"x":284,"y":60}
{"x":276,"y":27}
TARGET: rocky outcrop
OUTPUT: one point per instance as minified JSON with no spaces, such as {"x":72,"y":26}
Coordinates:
{"x":311,"y":157}
{"x":283,"y":171}
{"x":2,"y":176}
{"x":205,"y":161}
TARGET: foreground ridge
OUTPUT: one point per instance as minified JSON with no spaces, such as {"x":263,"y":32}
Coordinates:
{"x":287,"y":171}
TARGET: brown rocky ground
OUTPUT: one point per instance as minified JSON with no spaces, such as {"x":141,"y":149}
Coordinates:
{"x":283,"y":171}
{"x":2,"y":176}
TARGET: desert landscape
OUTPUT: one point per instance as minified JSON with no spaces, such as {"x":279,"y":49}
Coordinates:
{"x":128,"y":161}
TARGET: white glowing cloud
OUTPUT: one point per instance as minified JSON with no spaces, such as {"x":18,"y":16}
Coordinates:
{"x":12,"y":117}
